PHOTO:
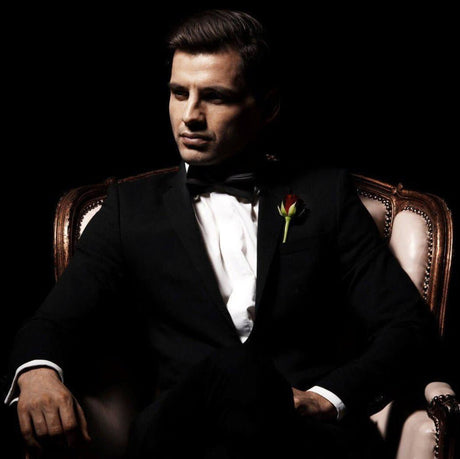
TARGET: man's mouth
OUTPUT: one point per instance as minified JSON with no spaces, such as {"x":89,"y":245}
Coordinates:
{"x":194,"y":139}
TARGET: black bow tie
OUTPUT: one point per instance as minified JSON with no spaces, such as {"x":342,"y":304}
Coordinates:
{"x":241,"y":185}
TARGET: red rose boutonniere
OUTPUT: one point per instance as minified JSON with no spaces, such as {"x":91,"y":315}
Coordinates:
{"x":290,"y":207}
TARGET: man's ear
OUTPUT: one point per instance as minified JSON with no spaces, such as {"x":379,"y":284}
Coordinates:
{"x":271,"y":105}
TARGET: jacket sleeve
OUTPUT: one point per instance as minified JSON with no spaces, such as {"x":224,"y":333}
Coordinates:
{"x":387,"y":306}
{"x":88,"y":285}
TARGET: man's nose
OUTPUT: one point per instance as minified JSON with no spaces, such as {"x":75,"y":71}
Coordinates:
{"x":193,"y":112}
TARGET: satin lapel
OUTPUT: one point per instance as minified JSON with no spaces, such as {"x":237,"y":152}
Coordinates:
{"x":179,"y":208}
{"x":270,"y":226}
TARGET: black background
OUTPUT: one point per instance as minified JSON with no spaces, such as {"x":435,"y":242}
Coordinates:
{"x":370,"y":89}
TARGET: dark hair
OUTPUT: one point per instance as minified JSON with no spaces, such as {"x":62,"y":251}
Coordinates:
{"x":218,"y":30}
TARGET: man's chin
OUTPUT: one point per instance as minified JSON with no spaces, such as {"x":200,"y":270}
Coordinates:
{"x":200,"y":158}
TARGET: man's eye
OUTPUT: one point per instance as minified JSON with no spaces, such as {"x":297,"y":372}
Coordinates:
{"x":215,"y":98}
{"x":179,"y":94}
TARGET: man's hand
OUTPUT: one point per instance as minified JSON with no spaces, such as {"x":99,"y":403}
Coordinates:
{"x":314,"y":405}
{"x":47,"y":411}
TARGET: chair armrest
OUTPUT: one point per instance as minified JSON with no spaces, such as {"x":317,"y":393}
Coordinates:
{"x":432,"y":431}
{"x":437,"y":388}
{"x":444,"y":409}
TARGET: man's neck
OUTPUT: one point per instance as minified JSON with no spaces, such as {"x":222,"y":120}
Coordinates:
{"x":238,"y":164}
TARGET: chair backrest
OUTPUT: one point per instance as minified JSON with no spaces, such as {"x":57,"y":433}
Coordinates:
{"x":417,"y":226}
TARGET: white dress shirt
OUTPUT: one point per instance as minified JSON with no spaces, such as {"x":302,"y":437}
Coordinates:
{"x":229,"y":229}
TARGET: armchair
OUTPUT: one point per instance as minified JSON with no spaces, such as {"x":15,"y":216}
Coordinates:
{"x":418,"y":228}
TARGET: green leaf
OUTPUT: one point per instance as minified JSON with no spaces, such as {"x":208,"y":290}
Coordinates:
{"x":283,"y":210}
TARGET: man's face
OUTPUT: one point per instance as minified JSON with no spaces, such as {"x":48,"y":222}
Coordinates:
{"x":213,"y":114}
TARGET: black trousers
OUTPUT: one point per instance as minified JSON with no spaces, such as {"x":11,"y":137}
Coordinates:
{"x":236,"y":405}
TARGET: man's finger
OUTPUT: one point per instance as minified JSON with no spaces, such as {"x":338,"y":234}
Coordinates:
{"x":295,"y":394}
{"x":27,"y":431}
{"x":70,"y":424}
{"x":82,"y":421}
{"x":39,"y":425}
{"x":54,"y":426}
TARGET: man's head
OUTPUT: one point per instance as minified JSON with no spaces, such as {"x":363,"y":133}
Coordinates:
{"x":222,"y":93}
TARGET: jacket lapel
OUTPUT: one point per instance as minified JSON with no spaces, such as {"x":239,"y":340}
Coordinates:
{"x":177,"y":202}
{"x":269,"y":231}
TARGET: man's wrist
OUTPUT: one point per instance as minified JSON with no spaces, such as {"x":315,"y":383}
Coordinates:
{"x":36,"y":372}
{"x":12,"y":395}
{"x":333,"y":398}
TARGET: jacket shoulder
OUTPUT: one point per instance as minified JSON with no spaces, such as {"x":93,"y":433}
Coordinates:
{"x":324,"y":181}
{"x":149,"y":175}
{"x":145,"y":180}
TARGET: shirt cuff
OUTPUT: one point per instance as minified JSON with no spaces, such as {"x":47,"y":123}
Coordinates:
{"x":13,"y":394}
{"x":336,"y":401}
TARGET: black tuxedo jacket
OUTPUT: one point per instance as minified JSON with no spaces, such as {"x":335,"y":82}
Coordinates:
{"x":333,"y":276}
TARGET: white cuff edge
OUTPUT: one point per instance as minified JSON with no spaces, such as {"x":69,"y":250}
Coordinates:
{"x":9,"y":400}
{"x":336,"y":401}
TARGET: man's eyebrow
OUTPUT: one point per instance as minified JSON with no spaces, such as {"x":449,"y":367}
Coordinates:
{"x":221,"y":90}
{"x":175,"y":86}
{"x":216,"y":88}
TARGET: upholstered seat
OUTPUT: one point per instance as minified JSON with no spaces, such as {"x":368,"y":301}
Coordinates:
{"x":418,"y":228}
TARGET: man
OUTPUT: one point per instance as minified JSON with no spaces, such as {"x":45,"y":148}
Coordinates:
{"x":244,"y":273}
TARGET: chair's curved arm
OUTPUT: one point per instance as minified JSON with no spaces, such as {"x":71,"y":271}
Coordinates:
{"x":437,"y":388}
{"x":444,"y":410}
